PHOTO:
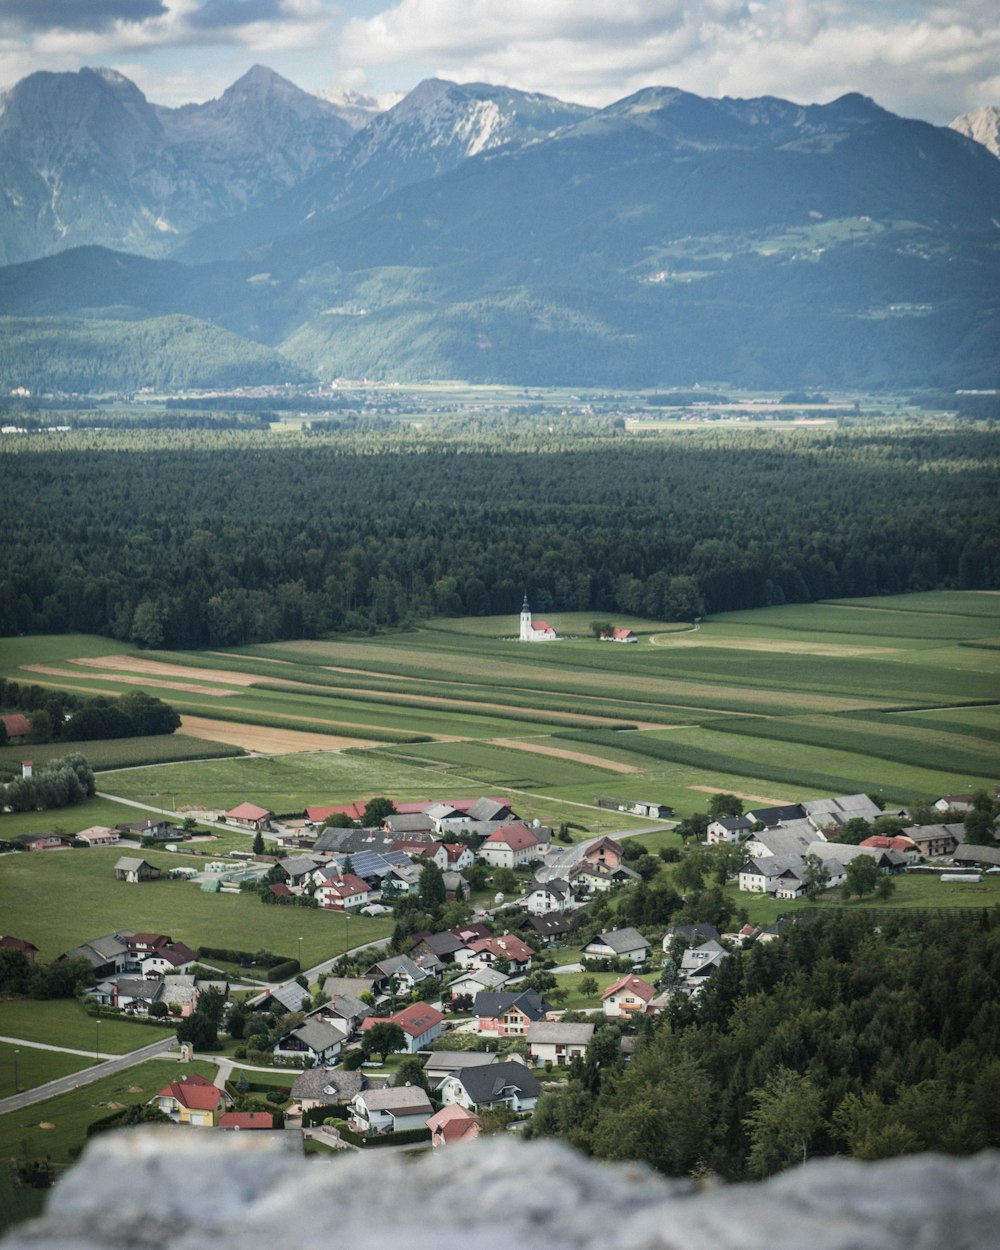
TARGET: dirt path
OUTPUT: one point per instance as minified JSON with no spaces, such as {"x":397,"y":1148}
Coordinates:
{"x":264,"y":739}
{"x":156,"y":668}
{"x":751,"y":798}
{"x":561,"y":753}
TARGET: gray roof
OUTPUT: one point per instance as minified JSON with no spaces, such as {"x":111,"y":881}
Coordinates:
{"x":489,"y":978}
{"x":442,"y":943}
{"x":449,"y":1061}
{"x":299,"y":865}
{"x":929,"y":833}
{"x":353,"y":986}
{"x":328,"y":1085}
{"x":549,"y":1032}
{"x":348,"y":1007}
{"x":529,"y":1002}
{"x":489,"y":810}
{"x":127,"y":864}
{"x":693,"y":932}
{"x":411,"y":822}
{"x":845,"y":807}
{"x":486,"y":1084}
{"x":968,"y":854}
{"x":98,"y":951}
{"x":319,"y":1035}
{"x":405,"y":1099}
{"x":400,"y":965}
{"x":774,"y":815}
{"x":733,"y":823}
{"x":290,"y":996}
{"x":350,"y":841}
{"x":622,"y":940}
{"x":148,"y":991}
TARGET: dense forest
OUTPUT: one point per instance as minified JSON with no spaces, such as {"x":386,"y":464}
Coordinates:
{"x":842,"y":1038}
{"x":193,"y":538}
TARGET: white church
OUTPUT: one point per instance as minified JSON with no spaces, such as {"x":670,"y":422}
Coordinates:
{"x":534,"y":631}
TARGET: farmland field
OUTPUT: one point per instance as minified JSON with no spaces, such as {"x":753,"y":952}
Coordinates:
{"x":896,"y":695}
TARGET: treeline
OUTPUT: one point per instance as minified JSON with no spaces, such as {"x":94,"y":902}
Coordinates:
{"x":61,"y":716}
{"x":842,"y":1038}
{"x":194,"y":539}
{"x":58,"y":783}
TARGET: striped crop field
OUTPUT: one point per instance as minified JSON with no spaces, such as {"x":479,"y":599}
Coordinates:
{"x":897,"y":694}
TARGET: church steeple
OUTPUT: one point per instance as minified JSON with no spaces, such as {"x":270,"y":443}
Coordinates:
{"x":525,"y":635}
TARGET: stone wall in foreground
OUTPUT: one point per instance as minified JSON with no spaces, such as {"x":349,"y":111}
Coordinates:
{"x":192,"y":1189}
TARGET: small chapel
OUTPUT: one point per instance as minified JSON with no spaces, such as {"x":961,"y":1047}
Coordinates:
{"x":534,"y":631}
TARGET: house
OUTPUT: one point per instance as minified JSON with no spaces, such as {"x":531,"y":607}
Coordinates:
{"x":691,"y":934}
{"x":953,"y":803}
{"x":487,"y":952}
{"x":773,"y":931}
{"x":779,"y":815}
{"x":453,"y":1125}
{"x":551,"y":1041}
{"x":628,"y":997}
{"x":901,"y":845}
{"x":549,"y":896}
{"x":18,"y":727}
{"x":596,"y":878}
{"x":28,"y":949}
{"x":136,"y":996}
{"x":444,"y":1063}
{"x":698,"y":963}
{"x":603,"y":851}
{"x":471,"y":983}
{"x":442,"y":947}
{"x":761,"y":875}
{"x":508,"y":1013}
{"x":510,"y":846}
{"x":793,"y":838}
{"x":296,"y":871}
{"x":192,"y":1100}
{"x":399,"y":970}
{"x":246,"y":1120}
{"x":965,"y":856}
{"x":344,"y":893}
{"x":832,"y":813}
{"x":421,"y":1024}
{"x":552,"y":926}
{"x":318,"y":1040}
{"x":936,"y":841}
{"x":407,"y":824}
{"x":728,"y":829}
{"x":352,"y":986}
{"x":534,"y":631}
{"x":616,"y":634}
{"x":627,"y":943}
{"x":507,"y":1084}
{"x":286,"y":998}
{"x":135,"y":870}
{"x":98,"y":835}
{"x":250,"y":816}
{"x":457,"y":855}
{"x":42,"y":841}
{"x":322,"y":1087}
{"x":155,"y":953}
{"x":108,"y":956}
{"x":392,"y":1110}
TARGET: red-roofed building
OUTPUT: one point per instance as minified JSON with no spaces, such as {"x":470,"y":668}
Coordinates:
{"x":343,"y":893}
{"x":905,"y":846}
{"x":192,"y":1100}
{"x":534,"y":631}
{"x":628,"y":997}
{"x":604,"y":851}
{"x":249,"y":815}
{"x":421,"y":1024}
{"x":487,"y":952}
{"x":618,"y":635}
{"x":452,"y":1125}
{"x":510,"y":846}
{"x":246,"y":1119}
{"x":18,"y":727}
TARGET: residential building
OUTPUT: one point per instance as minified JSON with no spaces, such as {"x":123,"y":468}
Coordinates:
{"x":551,"y":1041}
{"x":627,"y":943}
{"x":392,"y":1110}
{"x":318,"y":1040}
{"x":192,"y":1100}
{"x":508,"y":1084}
{"x":250,"y":816}
{"x":627,"y":997}
{"x":453,"y":1125}
{"x":508,"y":1013}
{"x":510,"y":846}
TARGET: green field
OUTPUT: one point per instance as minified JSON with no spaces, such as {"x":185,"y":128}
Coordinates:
{"x":64,"y":1022}
{"x":83,"y":900}
{"x":34,"y":1067}
{"x":119,"y":752}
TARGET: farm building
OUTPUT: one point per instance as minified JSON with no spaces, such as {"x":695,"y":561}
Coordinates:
{"x":134,"y":870}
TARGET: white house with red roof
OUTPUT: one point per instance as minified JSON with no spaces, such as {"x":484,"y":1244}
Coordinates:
{"x":488,"y":952}
{"x":344,"y":893}
{"x":616,"y":634}
{"x":534,"y":631}
{"x":628,"y":997}
{"x":18,"y":727}
{"x":510,"y":845}
{"x":421,"y":1024}
{"x":246,"y":1120}
{"x":249,"y":815}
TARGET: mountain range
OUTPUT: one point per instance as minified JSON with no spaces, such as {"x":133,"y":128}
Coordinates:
{"x":480,"y":232}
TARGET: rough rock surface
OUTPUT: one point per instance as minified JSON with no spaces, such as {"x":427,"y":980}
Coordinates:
{"x":184,"y":1190}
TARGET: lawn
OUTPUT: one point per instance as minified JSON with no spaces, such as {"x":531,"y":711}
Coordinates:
{"x":34,"y":1067}
{"x":64,"y":1022}
{"x":83,"y":900}
{"x":119,"y":752}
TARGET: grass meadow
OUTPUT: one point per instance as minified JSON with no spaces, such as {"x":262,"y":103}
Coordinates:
{"x":30,"y":1067}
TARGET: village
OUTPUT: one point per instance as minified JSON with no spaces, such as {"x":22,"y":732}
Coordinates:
{"x":515,"y":952}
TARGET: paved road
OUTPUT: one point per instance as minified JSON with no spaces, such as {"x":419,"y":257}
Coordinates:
{"x":65,"y":1084}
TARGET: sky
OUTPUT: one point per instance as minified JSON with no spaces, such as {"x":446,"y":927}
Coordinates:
{"x":918,"y":58}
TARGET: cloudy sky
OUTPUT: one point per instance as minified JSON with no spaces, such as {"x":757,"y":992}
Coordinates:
{"x":916,"y":57}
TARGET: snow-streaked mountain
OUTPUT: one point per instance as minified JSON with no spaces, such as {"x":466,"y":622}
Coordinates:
{"x":432,"y":130}
{"x":85,"y":158}
{"x":983,"y":125}
{"x":357,"y":108}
